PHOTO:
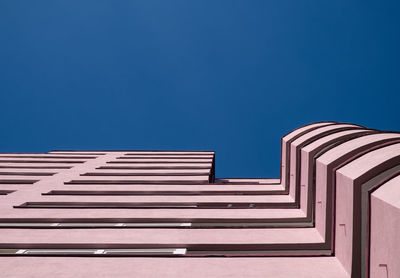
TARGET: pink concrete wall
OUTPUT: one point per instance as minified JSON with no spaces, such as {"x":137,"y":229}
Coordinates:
{"x":385,"y":227}
{"x":340,"y":171}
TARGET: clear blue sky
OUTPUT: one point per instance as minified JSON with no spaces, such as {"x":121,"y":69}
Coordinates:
{"x":230,"y":76}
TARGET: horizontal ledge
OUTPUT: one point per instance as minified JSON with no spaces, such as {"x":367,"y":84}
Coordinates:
{"x":241,"y":182}
{"x":174,"y":252}
{"x":166,"y":154}
{"x":117,"y":182}
{"x":98,"y":174}
{"x":94,"y":252}
{"x":209,"y":248}
{"x":161,"y":225}
{"x":159,"y":162}
{"x":139,"y":151}
{"x":40,"y":161}
{"x":155,"y":193}
{"x":93,"y":225}
{"x":26,"y":174}
{"x":47,"y":156}
{"x":6,"y":192}
{"x":34,"y":167}
{"x":277,"y":221}
{"x":74,"y":153}
{"x":156,"y":205}
{"x":166,"y":157}
{"x":18,"y":181}
{"x":183,"y":167}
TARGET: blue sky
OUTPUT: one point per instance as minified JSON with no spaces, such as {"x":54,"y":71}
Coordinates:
{"x":230,"y":76}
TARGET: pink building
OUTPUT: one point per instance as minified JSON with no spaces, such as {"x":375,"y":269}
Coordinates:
{"x":334,"y":212}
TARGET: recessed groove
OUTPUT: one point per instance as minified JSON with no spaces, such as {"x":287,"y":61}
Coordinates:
{"x":172,"y":250}
{"x":117,"y":182}
{"x":94,"y":252}
{"x":93,"y":225}
{"x":16,"y":153}
{"x":6,"y":192}
{"x":73,"y":153}
{"x":113,"y":205}
{"x":166,"y":154}
{"x":25,"y":174}
{"x":153,"y":167}
{"x":155,"y":193}
{"x":135,"y":151}
{"x":164,"y":157}
{"x":155,"y":205}
{"x":260,"y":253}
{"x":34,"y":167}
{"x":17,"y":181}
{"x":197,"y":220}
{"x":144,"y":174}
{"x":205,"y":249}
{"x":152,"y":162}
{"x":153,"y":225}
{"x":238,"y":183}
{"x":47,"y":157}
{"x":41,"y":161}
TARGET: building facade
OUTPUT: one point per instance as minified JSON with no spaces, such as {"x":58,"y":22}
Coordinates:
{"x":334,"y":211}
